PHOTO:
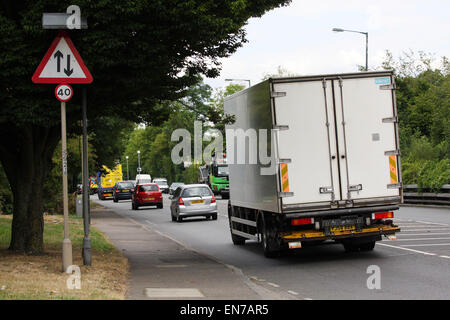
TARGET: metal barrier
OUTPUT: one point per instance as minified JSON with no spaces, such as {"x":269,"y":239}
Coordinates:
{"x":412,"y":194}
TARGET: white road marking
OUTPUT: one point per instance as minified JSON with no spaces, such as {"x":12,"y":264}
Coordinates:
{"x":273,"y":284}
{"x":426,"y":245}
{"x":419,"y":239}
{"x":402,"y":248}
{"x":293,"y":292}
{"x":446,"y":257}
{"x":417,"y":230}
{"x":438,"y":224}
{"x":173,"y":293}
{"x":424,"y":234}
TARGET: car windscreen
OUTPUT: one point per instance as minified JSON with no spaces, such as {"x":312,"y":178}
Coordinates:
{"x":222,"y":171}
{"x":196,"y":192}
{"x":125,"y":185}
{"x":148,"y":188}
{"x":160,"y":182}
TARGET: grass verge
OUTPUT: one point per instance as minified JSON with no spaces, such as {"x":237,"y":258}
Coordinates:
{"x":39,"y":277}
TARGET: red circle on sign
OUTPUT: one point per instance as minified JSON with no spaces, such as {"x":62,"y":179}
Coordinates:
{"x":63,"y":92}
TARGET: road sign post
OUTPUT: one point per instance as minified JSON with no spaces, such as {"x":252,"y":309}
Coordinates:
{"x":67,"y":244}
{"x":63,"y":64}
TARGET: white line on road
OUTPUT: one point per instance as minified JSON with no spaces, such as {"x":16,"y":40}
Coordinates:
{"x":417,"y":230}
{"x":438,"y":224}
{"x":293,"y":292}
{"x":402,"y":248}
{"x":273,"y":284}
{"x":426,"y":245}
{"x":418,"y":239}
{"x":424,"y":234}
{"x":446,"y":257}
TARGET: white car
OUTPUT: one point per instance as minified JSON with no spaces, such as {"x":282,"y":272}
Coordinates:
{"x":162,"y":184}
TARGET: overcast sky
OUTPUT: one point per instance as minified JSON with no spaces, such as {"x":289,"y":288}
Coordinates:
{"x":299,"y":37}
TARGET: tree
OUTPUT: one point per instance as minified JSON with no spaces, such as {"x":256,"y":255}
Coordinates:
{"x":423,"y":100}
{"x":139,"y":52}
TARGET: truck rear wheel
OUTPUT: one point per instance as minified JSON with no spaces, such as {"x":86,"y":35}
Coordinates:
{"x":269,"y":241}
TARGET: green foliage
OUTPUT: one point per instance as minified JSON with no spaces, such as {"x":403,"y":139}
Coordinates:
{"x":423,"y":100}
{"x":190,"y":174}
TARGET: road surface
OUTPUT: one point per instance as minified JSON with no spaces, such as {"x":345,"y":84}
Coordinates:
{"x":415,"y":266}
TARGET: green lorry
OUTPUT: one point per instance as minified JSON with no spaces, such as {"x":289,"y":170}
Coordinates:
{"x":215,"y":175}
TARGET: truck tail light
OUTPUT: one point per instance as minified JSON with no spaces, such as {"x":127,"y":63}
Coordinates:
{"x":180,"y":201}
{"x":382,"y":215}
{"x":213,"y":199}
{"x":301,"y":222}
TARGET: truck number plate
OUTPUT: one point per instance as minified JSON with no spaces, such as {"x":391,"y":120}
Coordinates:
{"x":343,"y":228}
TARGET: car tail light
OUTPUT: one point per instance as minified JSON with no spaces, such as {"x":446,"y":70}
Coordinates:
{"x":117,"y":191}
{"x":301,"y":222}
{"x":180,"y":201}
{"x":382,"y":215}
{"x":213,"y":199}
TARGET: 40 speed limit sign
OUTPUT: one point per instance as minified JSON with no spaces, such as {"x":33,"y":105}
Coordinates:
{"x":63,"y":92}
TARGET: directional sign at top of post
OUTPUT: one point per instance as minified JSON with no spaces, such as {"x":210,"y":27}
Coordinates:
{"x":62,"y":63}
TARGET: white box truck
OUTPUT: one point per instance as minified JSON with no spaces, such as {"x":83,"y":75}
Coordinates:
{"x":334,"y":149}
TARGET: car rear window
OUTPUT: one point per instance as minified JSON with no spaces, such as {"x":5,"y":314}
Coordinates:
{"x":125,"y":185}
{"x":196,"y":192}
{"x":148,"y":188}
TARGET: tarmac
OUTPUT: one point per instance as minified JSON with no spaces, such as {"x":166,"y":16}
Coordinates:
{"x":163,"y":268}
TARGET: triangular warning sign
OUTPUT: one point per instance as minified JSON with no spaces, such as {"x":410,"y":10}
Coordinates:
{"x":62,"y":64}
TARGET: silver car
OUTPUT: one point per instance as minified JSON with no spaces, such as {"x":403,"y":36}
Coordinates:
{"x":193,"y":200}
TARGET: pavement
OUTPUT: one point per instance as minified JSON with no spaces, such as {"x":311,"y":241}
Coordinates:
{"x":163,"y":268}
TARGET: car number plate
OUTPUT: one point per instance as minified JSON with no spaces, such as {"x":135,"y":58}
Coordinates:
{"x":125,"y":190}
{"x":149,"y":199}
{"x":107,"y":194}
{"x":343,"y":228}
{"x":197,"y":201}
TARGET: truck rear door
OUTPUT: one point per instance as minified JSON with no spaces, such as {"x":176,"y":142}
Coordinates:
{"x":307,"y":144}
{"x":368,"y":150}
{"x":337,"y":141}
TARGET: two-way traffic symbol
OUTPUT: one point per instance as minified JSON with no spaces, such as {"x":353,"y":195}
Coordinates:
{"x":58,"y":55}
{"x":62,"y":64}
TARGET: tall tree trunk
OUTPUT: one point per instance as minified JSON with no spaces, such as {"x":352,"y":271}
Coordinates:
{"x":26,"y":155}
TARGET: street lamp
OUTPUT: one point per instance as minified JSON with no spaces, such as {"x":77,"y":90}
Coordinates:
{"x":367,"y":42}
{"x":239,"y":80}
{"x":139,"y":161}
{"x":128,"y":176}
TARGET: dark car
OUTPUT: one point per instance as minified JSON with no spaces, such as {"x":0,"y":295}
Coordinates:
{"x":122,"y":191}
{"x":147,"y":194}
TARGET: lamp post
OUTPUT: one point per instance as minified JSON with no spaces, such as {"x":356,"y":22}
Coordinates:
{"x":128,"y":176}
{"x":367,"y":42}
{"x":240,"y":80}
{"x":139,"y":162}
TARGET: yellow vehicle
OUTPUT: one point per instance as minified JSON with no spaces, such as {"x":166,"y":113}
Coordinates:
{"x":106,"y":179}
